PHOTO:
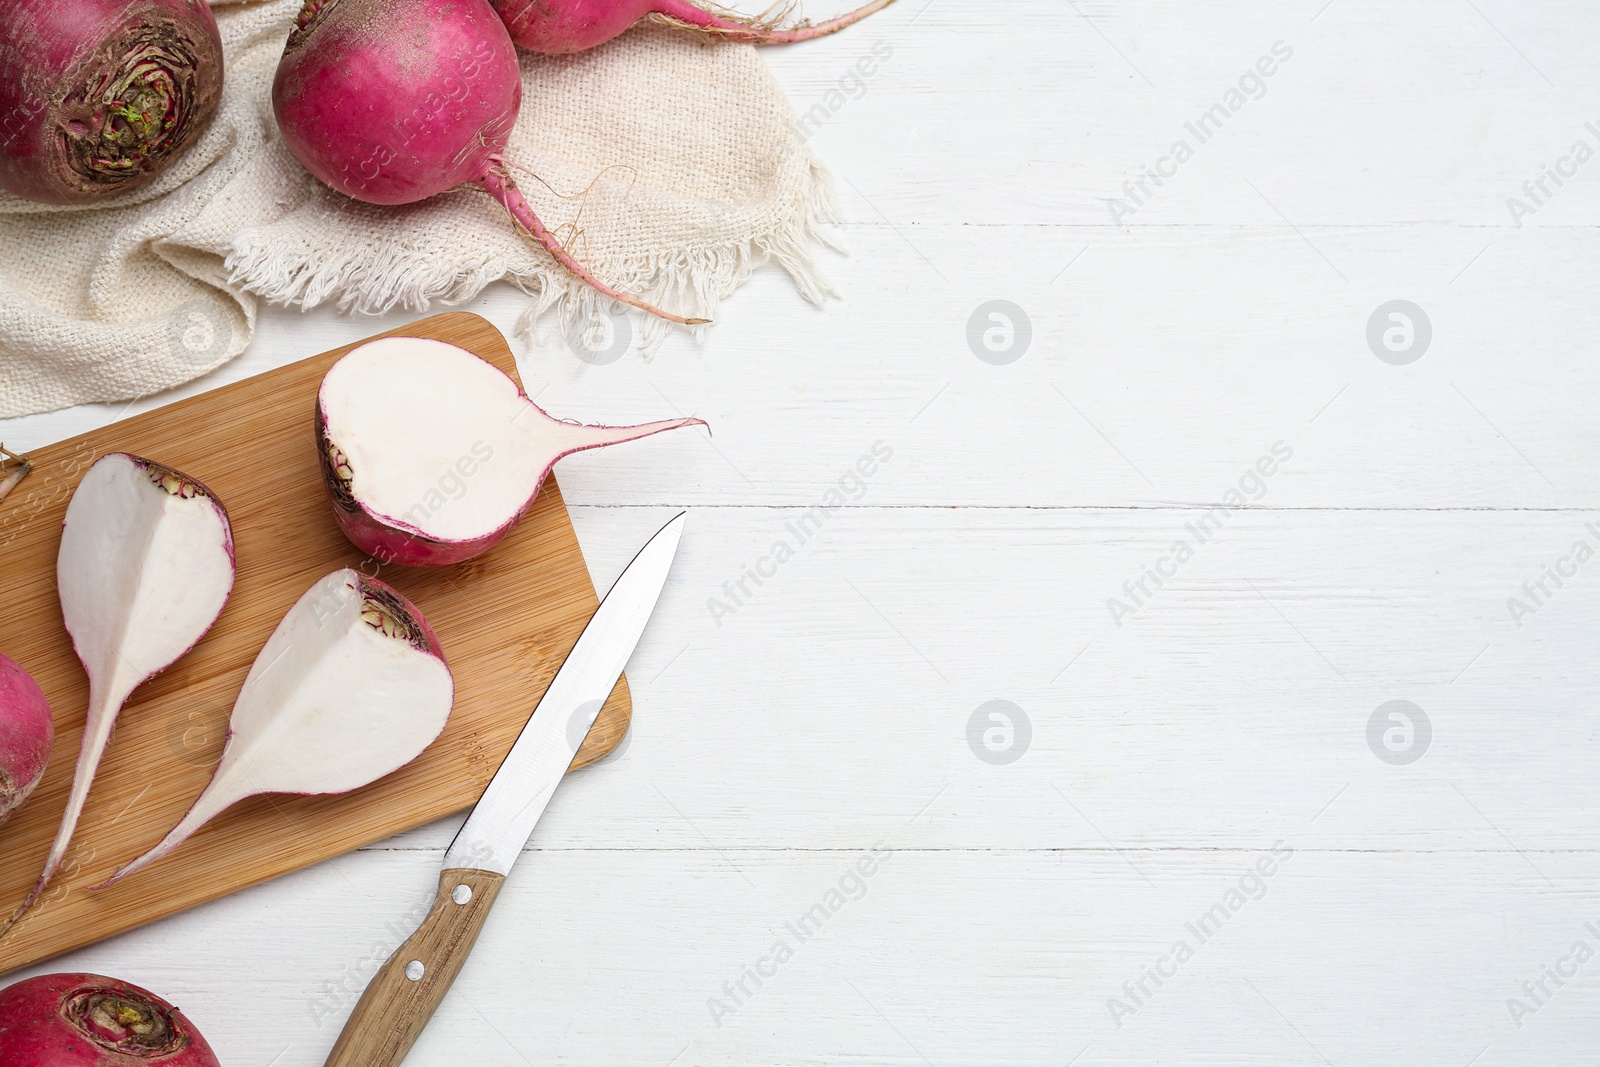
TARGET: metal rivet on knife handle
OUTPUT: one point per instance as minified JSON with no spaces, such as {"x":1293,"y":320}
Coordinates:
{"x":406,"y":991}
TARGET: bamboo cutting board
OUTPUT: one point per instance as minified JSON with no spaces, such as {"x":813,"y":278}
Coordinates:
{"x":506,"y":620}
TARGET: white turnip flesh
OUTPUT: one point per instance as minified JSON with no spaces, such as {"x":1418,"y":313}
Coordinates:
{"x":431,"y":454}
{"x":351,"y":686}
{"x":145,"y":567}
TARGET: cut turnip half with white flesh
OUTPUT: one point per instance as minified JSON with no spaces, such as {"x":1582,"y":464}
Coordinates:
{"x":145,"y":566}
{"x":351,"y":686}
{"x":431,"y":454}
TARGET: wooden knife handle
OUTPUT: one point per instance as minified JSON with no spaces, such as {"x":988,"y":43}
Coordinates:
{"x":403,"y":995}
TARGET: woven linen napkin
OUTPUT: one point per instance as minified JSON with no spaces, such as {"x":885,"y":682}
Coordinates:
{"x":670,"y":164}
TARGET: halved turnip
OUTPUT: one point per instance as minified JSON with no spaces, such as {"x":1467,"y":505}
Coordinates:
{"x":431,"y":454}
{"x":145,"y":566}
{"x":351,"y":686}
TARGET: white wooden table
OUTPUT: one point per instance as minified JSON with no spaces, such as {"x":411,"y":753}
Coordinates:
{"x":1098,"y":899}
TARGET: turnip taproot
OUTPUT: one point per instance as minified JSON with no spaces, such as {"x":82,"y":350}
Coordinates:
{"x":431,"y":454}
{"x":558,"y":26}
{"x":99,"y":97}
{"x":394,"y":101}
{"x":88,"y":1020}
{"x":27,"y":733}
{"x":145,"y":567}
{"x":351,"y":686}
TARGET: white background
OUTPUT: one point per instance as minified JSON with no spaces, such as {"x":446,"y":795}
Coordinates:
{"x":1230,"y":712}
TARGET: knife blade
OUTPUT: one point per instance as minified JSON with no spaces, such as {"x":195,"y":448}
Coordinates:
{"x":405,"y":992}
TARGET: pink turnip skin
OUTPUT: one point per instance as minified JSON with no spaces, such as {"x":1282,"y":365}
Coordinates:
{"x":393,"y":544}
{"x":27,"y":733}
{"x":87,"y":1020}
{"x":559,"y":26}
{"x":99,"y":97}
{"x":394,"y":101}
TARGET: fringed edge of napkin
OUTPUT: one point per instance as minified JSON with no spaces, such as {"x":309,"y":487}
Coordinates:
{"x":689,"y":282}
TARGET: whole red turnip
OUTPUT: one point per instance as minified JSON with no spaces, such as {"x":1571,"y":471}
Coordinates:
{"x":557,"y":26}
{"x":86,"y":1020}
{"x":394,"y":101}
{"x":27,"y":733}
{"x":98,"y":97}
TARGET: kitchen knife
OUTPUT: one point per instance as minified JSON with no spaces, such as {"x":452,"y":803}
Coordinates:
{"x":401,"y":998}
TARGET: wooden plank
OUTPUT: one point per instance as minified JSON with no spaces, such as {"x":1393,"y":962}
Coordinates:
{"x":1206,"y":719}
{"x":506,"y":621}
{"x":1388,"y":113}
{"x":600,"y":957}
{"x":1190,"y":349}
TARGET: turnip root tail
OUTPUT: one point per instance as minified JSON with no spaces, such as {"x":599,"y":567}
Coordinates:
{"x":349,"y":643}
{"x":683,"y":13}
{"x":211,"y":803}
{"x":578,"y":437}
{"x":498,"y":183}
{"x":97,"y":732}
{"x":19,"y":468}
{"x":145,"y":566}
